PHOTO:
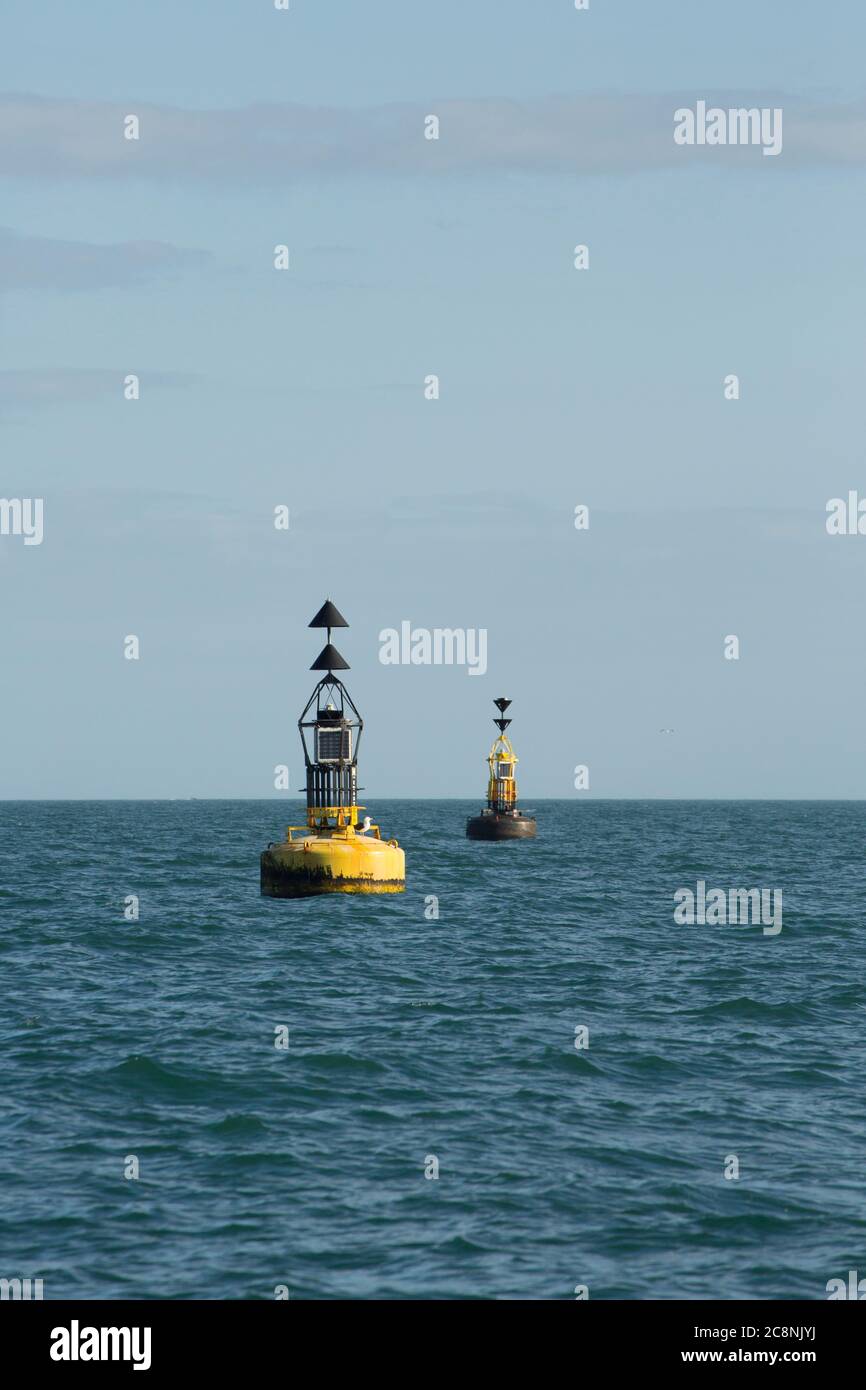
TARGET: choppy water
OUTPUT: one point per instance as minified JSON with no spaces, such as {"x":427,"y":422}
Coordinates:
{"x":411,"y":1037}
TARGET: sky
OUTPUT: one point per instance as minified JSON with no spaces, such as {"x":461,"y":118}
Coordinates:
{"x":304,"y":388}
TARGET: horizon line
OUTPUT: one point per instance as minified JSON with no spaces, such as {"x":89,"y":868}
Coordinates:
{"x":293,"y":801}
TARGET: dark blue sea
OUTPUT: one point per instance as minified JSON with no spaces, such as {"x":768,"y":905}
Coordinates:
{"x":412,"y":1038}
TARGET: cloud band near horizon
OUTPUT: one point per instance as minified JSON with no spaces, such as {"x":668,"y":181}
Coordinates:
{"x":48,"y":138}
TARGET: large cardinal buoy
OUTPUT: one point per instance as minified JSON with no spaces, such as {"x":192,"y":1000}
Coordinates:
{"x":332,"y":853}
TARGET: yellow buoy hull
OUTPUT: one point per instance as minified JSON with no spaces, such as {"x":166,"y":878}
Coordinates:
{"x":338,"y":861}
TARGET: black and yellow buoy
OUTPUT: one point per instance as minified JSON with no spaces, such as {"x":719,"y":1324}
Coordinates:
{"x":501,"y":820}
{"x":331,"y":853}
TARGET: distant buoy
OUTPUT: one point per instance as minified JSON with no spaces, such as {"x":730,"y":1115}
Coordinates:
{"x":328,"y":854}
{"x":501,"y":819}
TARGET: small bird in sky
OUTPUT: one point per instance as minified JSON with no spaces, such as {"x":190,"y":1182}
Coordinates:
{"x":666,"y":731}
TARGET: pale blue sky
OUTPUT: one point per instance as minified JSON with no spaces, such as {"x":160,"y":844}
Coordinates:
{"x":558,"y":387}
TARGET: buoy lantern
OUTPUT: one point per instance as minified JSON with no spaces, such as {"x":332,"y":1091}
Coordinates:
{"x":501,"y":819}
{"x":332,"y":853}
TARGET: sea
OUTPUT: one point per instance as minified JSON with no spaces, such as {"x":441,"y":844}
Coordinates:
{"x":520,"y":1079}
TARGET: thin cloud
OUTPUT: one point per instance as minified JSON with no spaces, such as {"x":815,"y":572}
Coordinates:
{"x":48,"y":138}
{"x":35,"y":262}
{"x":34,"y":387}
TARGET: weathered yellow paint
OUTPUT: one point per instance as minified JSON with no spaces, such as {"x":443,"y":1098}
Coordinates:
{"x":335,"y":860}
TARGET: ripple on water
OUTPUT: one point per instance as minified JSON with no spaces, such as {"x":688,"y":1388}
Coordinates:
{"x":411,"y":1039}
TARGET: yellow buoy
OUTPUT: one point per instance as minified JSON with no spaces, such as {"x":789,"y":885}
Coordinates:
{"x":332,"y":853}
{"x":501,"y":819}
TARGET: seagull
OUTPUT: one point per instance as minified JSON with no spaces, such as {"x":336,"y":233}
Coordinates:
{"x":666,"y":731}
